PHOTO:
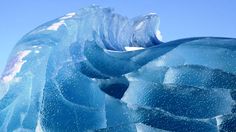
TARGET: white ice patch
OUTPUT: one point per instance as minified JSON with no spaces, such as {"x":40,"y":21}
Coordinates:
{"x":67,"y":16}
{"x":152,"y":13}
{"x":38,"y":47}
{"x":56,"y":26}
{"x":38,"y":127}
{"x":139,"y":26}
{"x":170,"y":76}
{"x":36,"y":51}
{"x":219,"y":119}
{"x":159,"y":62}
{"x":158,"y":35}
{"x":13,"y":69}
{"x":133,"y":48}
{"x":139,"y":127}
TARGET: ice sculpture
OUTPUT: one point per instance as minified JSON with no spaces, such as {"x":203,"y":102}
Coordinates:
{"x":95,"y":70}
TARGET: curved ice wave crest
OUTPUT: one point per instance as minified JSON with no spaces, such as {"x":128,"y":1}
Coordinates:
{"x":74,"y":74}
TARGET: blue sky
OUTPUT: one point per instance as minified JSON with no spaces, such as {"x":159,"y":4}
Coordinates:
{"x":179,"y":18}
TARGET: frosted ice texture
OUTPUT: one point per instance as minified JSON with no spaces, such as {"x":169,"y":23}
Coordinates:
{"x":74,"y":74}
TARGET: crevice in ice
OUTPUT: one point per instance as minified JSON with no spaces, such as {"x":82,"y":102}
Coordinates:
{"x":115,"y":87}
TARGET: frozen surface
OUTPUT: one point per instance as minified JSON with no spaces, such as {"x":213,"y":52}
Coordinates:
{"x":94,"y":70}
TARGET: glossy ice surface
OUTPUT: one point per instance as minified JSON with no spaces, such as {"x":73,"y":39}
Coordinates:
{"x":95,"y":70}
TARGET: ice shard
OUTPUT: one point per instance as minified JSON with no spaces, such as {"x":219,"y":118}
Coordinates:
{"x":95,"y":70}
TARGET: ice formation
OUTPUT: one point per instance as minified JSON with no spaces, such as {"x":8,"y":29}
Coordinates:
{"x":95,"y":70}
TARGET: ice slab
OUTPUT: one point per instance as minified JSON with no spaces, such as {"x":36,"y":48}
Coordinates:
{"x":96,"y":70}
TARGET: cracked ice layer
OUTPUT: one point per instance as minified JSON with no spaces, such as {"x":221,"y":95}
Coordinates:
{"x":95,"y":70}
